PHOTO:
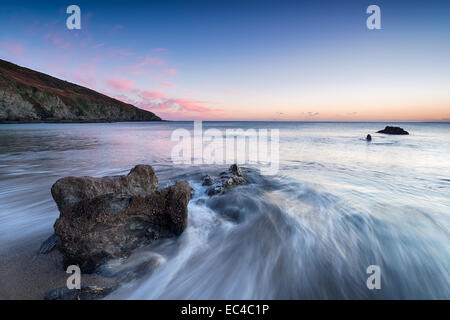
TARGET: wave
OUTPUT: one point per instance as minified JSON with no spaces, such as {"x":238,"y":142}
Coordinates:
{"x":279,"y":239}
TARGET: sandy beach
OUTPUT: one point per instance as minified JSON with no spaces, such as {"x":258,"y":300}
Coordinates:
{"x":27,"y":275}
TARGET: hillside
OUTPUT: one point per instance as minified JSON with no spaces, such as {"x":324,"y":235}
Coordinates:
{"x":31,"y":96}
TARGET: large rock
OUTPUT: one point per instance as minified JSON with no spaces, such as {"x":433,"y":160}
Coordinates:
{"x":68,"y":191}
{"x":393,"y":130}
{"x":104,"y":218}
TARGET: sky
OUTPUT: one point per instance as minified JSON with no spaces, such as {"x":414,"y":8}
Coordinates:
{"x":244,"y":60}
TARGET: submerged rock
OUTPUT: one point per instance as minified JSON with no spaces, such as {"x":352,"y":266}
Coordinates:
{"x":207,"y":180}
{"x":85,"y":293}
{"x":104,"y":218}
{"x":138,"y":265}
{"x":227,"y":179}
{"x":393,"y":130}
{"x":51,"y":243}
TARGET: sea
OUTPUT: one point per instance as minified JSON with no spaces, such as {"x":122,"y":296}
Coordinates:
{"x":336,"y":208}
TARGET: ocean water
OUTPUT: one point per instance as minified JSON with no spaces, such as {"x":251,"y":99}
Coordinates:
{"x":337,"y":205}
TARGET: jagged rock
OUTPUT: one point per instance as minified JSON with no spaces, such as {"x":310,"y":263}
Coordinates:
{"x":236,"y":170}
{"x":68,"y":191}
{"x":393,"y":130}
{"x":369,"y":137}
{"x":227,"y":179}
{"x":85,"y":293}
{"x":51,"y":243}
{"x":105,"y":218}
{"x":207,"y":180}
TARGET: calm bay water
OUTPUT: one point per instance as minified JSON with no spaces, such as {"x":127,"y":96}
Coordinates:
{"x":337,"y":205}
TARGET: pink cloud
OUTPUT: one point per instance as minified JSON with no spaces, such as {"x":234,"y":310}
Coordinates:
{"x":116,"y":79}
{"x":192,"y":105}
{"x":167,"y":108}
{"x":119,"y":84}
{"x":168,"y":85}
{"x":180,"y":109}
{"x":87,"y":73}
{"x":153,"y":94}
{"x":171,"y":71}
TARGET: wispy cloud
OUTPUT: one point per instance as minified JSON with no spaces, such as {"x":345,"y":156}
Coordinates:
{"x":156,"y":101}
{"x":118,"y":72}
{"x":168,"y":85}
{"x":153,"y":94}
{"x":143,"y":66}
{"x":170,"y":71}
{"x":119,"y":84}
{"x":178,"y":109}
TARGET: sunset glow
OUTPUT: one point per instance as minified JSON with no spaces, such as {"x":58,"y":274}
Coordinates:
{"x":208,"y":61}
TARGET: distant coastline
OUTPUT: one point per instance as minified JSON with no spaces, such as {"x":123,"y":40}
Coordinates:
{"x":65,"y":121}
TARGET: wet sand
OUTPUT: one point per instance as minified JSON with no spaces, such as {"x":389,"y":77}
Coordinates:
{"x":27,"y":275}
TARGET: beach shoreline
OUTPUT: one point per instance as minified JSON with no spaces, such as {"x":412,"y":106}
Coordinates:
{"x":27,"y":275}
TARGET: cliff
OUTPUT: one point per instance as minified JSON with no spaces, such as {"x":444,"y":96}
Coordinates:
{"x":30,"y":96}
